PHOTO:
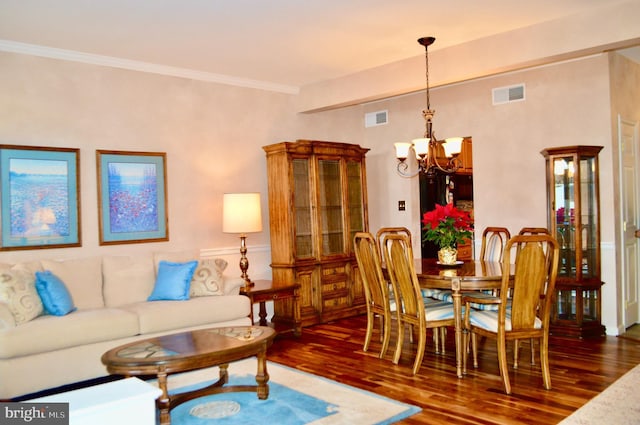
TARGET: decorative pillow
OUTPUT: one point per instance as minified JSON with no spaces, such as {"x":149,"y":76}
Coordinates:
{"x":18,"y":292}
{"x":208,"y":279}
{"x":54,"y":294}
{"x":173,"y":281}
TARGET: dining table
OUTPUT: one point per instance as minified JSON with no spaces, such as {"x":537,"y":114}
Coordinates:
{"x":468,"y":275}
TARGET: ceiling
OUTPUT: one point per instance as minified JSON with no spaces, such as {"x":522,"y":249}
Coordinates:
{"x":287,"y":42}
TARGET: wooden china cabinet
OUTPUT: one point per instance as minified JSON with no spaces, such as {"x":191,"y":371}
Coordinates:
{"x":317,"y":203}
{"x":574,"y":219}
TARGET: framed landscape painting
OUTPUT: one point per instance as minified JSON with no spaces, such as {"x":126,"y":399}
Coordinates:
{"x":132,"y":197}
{"x":39,"y":202}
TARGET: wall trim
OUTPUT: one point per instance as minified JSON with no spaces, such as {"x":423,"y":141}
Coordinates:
{"x":152,"y":68}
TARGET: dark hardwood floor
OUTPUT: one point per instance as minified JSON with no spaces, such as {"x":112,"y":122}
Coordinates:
{"x":579,"y":371}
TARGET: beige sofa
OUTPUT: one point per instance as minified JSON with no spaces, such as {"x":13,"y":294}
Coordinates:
{"x":110,"y":294}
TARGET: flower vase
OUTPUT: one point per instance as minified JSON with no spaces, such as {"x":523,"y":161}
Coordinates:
{"x":448,"y":255}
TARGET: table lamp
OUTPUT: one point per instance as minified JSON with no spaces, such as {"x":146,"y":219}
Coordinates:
{"x":241,"y":213}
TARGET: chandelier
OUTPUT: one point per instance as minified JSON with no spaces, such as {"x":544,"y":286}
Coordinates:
{"x":431,"y":154}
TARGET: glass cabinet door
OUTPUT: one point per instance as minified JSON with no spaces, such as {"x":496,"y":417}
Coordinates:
{"x":330,"y":207}
{"x":574,"y":204}
{"x":302,"y":207}
{"x":354,"y":188}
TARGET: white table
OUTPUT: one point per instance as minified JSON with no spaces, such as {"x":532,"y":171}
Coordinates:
{"x":126,"y":401}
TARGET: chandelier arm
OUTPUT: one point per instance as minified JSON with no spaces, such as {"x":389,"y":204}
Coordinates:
{"x":402,"y":170}
{"x":452,"y":167}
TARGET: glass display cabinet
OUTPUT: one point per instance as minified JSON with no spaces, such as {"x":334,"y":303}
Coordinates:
{"x":574,"y":219}
{"x":317,"y":203}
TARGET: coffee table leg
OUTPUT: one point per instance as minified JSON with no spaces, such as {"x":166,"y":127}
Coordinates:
{"x":224,"y":373}
{"x":163,"y":401}
{"x":262,"y":376}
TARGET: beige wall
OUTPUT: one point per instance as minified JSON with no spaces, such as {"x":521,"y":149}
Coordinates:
{"x":213,"y":136}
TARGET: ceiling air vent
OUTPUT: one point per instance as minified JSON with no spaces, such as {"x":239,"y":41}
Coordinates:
{"x":508,"y":94}
{"x":372,"y":119}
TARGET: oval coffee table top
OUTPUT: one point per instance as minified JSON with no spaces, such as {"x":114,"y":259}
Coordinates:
{"x":188,"y":350}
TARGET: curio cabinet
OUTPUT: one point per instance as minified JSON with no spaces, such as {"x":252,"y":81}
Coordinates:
{"x":574,"y":219}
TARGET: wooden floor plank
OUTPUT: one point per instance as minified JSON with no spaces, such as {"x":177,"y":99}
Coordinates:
{"x":579,"y":371}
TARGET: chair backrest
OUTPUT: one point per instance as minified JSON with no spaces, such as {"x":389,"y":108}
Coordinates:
{"x":399,"y":261}
{"x":383,"y":231}
{"x":376,"y":289}
{"x":494,"y":240}
{"x":534,"y":231}
{"x":536,"y":269}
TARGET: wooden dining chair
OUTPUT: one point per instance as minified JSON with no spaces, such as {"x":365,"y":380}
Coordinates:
{"x":516,"y":348}
{"x":532,"y":288}
{"x":428,"y":295}
{"x":494,"y":240}
{"x":376,"y":289}
{"x":383,"y":231}
{"x":410,"y":306}
{"x":534,"y":231}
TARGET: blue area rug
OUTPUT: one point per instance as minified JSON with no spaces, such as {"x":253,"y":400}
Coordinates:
{"x":295,"y":398}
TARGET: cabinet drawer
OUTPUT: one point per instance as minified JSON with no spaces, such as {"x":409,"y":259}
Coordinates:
{"x":335,"y":303}
{"x":329,"y":271}
{"x":334,"y":286}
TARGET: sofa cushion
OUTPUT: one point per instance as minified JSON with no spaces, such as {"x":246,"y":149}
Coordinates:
{"x":127,"y":280}
{"x":18,"y":293}
{"x":173,"y":281}
{"x":83,"y":278}
{"x":208,"y":278}
{"x":159,"y":316}
{"x":82,"y":327}
{"x":55,"y":296}
{"x":175,"y":256}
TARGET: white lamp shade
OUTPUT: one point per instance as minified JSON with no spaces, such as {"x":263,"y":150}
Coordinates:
{"x":452,"y":146}
{"x":421,"y":146}
{"x":402,"y":150}
{"x":241,"y":213}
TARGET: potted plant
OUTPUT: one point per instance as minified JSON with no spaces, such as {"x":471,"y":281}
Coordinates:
{"x":447,"y":226}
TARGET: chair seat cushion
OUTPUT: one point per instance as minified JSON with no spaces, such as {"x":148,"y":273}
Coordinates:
{"x":447,"y":296}
{"x":489,"y":320}
{"x":438,"y":311}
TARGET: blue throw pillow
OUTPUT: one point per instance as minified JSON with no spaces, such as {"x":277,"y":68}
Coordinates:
{"x":55,"y":296}
{"x":173,"y":281}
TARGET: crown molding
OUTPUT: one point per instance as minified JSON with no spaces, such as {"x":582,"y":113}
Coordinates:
{"x":71,"y":55}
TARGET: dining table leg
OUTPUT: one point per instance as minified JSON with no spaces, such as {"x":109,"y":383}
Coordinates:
{"x":457,"y":314}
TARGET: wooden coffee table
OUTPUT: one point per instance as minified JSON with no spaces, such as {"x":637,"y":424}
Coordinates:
{"x":184,"y":351}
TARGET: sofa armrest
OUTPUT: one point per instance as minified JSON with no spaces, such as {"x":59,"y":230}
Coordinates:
{"x":232,"y":286}
{"x":6,"y":318}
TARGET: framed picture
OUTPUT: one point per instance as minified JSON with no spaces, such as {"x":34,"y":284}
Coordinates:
{"x":40,"y":202}
{"x":132,"y":197}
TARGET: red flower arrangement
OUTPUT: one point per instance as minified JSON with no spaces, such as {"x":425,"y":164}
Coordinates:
{"x":447,"y":226}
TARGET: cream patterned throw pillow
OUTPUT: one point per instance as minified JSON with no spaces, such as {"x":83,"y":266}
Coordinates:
{"x":207,"y":279}
{"x":18,"y":291}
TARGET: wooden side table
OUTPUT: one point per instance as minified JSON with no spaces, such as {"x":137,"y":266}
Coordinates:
{"x":263,"y":291}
